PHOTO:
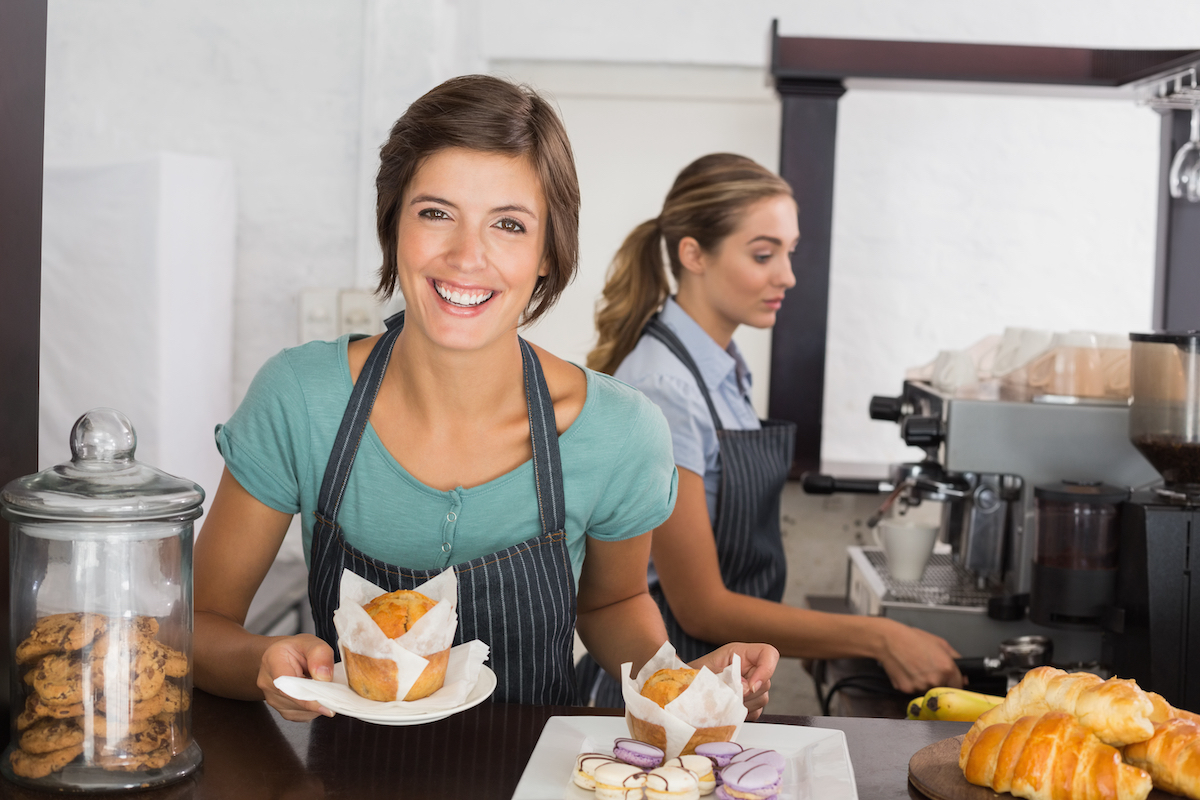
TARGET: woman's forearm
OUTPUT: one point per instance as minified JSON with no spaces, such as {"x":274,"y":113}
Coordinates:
{"x":726,"y":616}
{"x":629,"y":630}
{"x":227,"y":657}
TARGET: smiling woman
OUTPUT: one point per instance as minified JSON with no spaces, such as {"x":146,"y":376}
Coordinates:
{"x":449,"y":441}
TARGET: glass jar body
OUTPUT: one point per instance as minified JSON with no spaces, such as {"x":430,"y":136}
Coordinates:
{"x":102,"y":644}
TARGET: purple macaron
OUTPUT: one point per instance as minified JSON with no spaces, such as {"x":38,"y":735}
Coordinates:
{"x":760,"y":755}
{"x":749,"y":781}
{"x":639,"y":754}
{"x":720,"y":753}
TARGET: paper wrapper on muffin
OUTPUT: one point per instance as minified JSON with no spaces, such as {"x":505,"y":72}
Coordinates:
{"x":710,"y":710}
{"x":408,"y":667}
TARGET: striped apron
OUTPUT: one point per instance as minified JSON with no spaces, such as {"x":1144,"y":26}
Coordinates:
{"x":520,"y":601}
{"x":754,"y":468}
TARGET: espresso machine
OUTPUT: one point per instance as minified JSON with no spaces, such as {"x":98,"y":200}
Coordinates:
{"x":984,"y":460}
{"x":1152,"y":630}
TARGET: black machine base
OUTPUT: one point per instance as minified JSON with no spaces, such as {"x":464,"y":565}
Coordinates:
{"x":1153,"y":628}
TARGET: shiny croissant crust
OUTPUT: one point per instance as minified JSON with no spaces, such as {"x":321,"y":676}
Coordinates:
{"x":1051,"y":757}
{"x":1116,"y":710}
{"x":1171,"y":756}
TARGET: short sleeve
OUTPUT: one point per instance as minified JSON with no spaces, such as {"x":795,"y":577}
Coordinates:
{"x":640,"y":493}
{"x":265,"y":442}
{"x":687,"y":416}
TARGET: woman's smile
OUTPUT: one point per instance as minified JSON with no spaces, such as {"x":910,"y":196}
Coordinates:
{"x":461,"y":297}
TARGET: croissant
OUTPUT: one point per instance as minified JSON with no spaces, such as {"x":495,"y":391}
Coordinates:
{"x":1051,"y":757}
{"x":1164,"y":711}
{"x":1171,"y":756}
{"x":1116,"y":710}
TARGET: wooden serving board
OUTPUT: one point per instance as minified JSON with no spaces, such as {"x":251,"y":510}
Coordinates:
{"x":933,"y":771}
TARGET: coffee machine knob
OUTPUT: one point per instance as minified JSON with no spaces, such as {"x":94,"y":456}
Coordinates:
{"x":921,"y":431}
{"x":987,"y":500}
{"x":888,"y":409}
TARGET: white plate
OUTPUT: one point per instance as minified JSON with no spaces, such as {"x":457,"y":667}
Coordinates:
{"x":818,"y":763}
{"x":403,"y":713}
{"x":482,"y":691}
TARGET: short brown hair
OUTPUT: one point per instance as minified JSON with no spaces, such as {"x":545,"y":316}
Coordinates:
{"x":491,"y":115}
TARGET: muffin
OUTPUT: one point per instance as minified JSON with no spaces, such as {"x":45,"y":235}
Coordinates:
{"x":662,"y":687}
{"x":376,"y":678}
{"x":667,"y":684}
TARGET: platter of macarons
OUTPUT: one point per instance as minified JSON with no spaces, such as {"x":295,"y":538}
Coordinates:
{"x":594,"y":758}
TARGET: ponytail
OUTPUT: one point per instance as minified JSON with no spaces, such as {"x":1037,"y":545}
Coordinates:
{"x":637,"y":286}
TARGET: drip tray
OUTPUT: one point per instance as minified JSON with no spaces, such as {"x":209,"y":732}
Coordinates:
{"x":944,"y":584}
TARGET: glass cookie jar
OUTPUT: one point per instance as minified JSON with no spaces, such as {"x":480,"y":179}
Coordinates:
{"x":101,"y":604}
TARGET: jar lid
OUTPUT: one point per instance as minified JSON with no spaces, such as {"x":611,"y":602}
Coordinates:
{"x":102,"y":481}
{"x":1087,"y":492}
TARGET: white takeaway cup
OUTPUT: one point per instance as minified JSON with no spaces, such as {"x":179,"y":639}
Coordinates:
{"x":908,"y":545}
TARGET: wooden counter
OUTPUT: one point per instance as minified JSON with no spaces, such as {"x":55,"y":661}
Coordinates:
{"x":251,"y":752}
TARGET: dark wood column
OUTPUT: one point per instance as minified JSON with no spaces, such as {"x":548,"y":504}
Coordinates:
{"x":809,"y":138}
{"x":22,"y":111}
{"x":1177,"y":267}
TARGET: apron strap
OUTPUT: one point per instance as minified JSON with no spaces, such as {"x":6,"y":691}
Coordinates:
{"x":543,"y":431}
{"x":658,"y":329}
{"x":354,"y":420}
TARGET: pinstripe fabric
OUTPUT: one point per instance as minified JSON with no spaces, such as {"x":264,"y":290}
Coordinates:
{"x":754,"y":468}
{"x":520,"y":600}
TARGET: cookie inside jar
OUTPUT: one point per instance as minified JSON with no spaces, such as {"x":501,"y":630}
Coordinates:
{"x":100,"y":692}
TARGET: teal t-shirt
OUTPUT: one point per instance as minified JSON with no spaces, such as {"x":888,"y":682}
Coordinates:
{"x":618,"y":471}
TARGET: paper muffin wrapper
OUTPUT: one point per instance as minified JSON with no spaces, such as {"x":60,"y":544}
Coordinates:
{"x":430,"y":635}
{"x":710,"y":709}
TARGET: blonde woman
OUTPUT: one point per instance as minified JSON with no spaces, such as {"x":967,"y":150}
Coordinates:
{"x":728,"y":227}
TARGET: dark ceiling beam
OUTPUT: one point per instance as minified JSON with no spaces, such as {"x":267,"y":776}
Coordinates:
{"x":836,"y":59}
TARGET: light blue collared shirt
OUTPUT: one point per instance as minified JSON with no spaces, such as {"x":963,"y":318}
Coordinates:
{"x":663,"y":378}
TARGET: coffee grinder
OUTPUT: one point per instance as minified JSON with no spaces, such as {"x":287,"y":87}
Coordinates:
{"x":1153,"y":628}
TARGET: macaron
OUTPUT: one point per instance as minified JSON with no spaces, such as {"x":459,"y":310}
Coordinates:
{"x":719,"y":753}
{"x":639,"y":754}
{"x":618,"y":781}
{"x":748,"y":781}
{"x":761,"y":755}
{"x":701,"y":766}
{"x":585,"y":769}
{"x":672,"y":783}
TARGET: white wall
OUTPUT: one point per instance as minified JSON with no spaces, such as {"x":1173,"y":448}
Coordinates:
{"x":633,"y":127}
{"x":970,"y":198}
{"x":137,"y":295}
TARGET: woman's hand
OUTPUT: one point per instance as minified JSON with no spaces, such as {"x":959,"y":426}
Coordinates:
{"x":303,"y":656}
{"x":916,"y":660}
{"x":758,"y":665}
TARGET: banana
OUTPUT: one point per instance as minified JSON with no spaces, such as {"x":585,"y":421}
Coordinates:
{"x":960,"y":705}
{"x":914,"y":707}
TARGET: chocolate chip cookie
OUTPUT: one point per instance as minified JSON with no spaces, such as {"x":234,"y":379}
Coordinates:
{"x":139,"y":709}
{"x":39,"y":765}
{"x":134,"y":762}
{"x":35,"y":709}
{"x":62,"y":679}
{"x":49,"y":735}
{"x":60,"y":633}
